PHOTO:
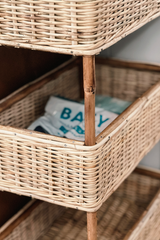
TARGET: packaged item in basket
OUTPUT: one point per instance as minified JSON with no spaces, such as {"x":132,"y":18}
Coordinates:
{"x":114,"y":105}
{"x":111,"y":104}
{"x":65,"y":118}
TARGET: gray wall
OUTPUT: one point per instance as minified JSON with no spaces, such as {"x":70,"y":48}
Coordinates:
{"x":142,"y":46}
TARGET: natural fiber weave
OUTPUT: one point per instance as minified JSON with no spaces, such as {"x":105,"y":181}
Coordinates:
{"x":117,"y":216}
{"x":74,"y":27}
{"x":37,"y":223}
{"x":64,"y":171}
{"x":148,"y":229}
{"x":131,"y":213}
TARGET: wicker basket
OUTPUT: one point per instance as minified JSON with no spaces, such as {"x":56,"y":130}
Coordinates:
{"x":31,"y":222}
{"x":131,"y":213}
{"x":78,"y":27}
{"x":66,"y":172}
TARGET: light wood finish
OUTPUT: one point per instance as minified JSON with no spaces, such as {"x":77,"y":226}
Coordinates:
{"x":89,"y":82}
{"x":72,"y":27}
{"x":94,"y":172}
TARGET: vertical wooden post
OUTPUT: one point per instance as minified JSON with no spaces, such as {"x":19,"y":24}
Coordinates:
{"x":89,"y":98}
{"x":92,"y":225}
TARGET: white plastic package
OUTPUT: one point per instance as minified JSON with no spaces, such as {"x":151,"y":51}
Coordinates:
{"x":65,"y":118}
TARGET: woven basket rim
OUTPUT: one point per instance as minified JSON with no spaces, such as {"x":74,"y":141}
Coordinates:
{"x":33,"y":204}
{"x":104,"y":136}
{"x":96,"y":48}
{"x":107,"y":133}
{"x":77,"y":60}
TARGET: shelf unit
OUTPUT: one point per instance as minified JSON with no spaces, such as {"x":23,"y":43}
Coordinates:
{"x":76,"y":27}
{"x":130,"y":213}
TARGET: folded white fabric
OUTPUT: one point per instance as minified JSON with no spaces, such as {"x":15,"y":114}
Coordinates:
{"x":65,"y":118}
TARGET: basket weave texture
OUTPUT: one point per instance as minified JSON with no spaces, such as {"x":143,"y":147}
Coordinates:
{"x":118,"y":215}
{"x":73,"y":27}
{"x":131,"y":213}
{"x":37,"y":223}
{"x":64,"y":171}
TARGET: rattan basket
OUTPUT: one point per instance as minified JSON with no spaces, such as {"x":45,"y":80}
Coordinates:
{"x":66,"y":172}
{"x":31,"y":222}
{"x":131,"y":213}
{"x":78,"y":27}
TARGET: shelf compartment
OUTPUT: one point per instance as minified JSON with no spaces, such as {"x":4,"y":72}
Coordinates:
{"x":131,"y":213}
{"x":72,"y":27}
{"x":31,"y":222}
{"x":8,"y":209}
{"x":63,"y":171}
